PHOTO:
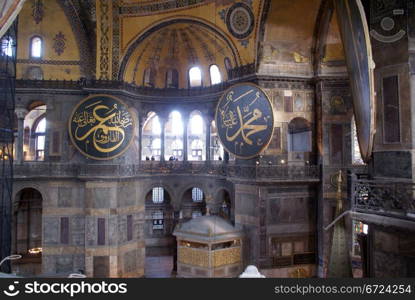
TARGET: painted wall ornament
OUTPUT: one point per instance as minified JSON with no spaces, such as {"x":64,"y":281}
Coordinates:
{"x":245,"y":120}
{"x":59,"y":43}
{"x":101,"y":127}
{"x":240,"y":20}
{"x":38,"y":11}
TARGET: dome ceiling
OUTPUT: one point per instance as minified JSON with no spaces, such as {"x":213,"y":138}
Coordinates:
{"x":179,"y":46}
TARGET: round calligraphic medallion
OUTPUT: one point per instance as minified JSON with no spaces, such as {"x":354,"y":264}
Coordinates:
{"x":245,"y":120}
{"x":240,"y":20}
{"x":101,"y":127}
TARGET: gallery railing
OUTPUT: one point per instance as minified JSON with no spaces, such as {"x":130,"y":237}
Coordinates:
{"x":216,"y":168}
{"x":282,"y":172}
{"x":395,"y":199}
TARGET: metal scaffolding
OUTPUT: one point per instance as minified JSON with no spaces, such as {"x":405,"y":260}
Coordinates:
{"x":7,"y":120}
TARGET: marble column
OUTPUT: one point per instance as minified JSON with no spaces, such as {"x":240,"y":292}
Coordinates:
{"x":50,"y":122}
{"x":208,"y":138}
{"x":140,"y":139}
{"x":185,"y":126}
{"x":162,"y":137}
{"x":21,"y":113}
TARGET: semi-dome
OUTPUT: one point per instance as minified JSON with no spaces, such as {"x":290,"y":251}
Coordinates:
{"x":162,"y":57}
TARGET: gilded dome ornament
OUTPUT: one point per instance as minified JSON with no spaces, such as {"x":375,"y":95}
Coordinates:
{"x":240,"y":20}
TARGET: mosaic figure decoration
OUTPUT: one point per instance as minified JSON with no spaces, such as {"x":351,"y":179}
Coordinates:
{"x":245,"y":120}
{"x":59,"y":43}
{"x":101,"y":127}
{"x":38,"y":11}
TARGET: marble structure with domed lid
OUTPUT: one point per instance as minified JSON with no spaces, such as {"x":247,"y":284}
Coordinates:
{"x":208,"y":246}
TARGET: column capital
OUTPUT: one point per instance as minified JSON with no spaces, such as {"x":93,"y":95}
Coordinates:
{"x":21,"y":112}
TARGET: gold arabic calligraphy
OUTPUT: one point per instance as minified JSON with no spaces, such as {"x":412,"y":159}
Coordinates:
{"x":244,"y":116}
{"x":107,"y":126}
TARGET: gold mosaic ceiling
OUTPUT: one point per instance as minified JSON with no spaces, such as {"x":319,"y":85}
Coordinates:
{"x":179,"y":46}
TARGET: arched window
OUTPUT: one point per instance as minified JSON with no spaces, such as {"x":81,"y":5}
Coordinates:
{"x":150,"y":138}
{"x":356,"y":155}
{"x":172,"y":79}
{"x":156,"y":148}
{"x":196,"y":137}
{"x":197,"y":150}
{"x":215,"y":77}
{"x":197,"y":195}
{"x":40,"y":133}
{"x":7,"y":46}
{"x":173,"y":138}
{"x":156,"y":126}
{"x":193,"y":203}
{"x":157,"y":195}
{"x":195,"y":77}
{"x":196,"y":125}
{"x":158,"y":220}
{"x":34,"y":133}
{"x":149,"y":77}
{"x":299,"y":135}
{"x":177,"y":124}
{"x":177,"y":148}
{"x":36,"y":47}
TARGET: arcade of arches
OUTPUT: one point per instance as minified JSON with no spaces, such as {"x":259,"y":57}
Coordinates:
{"x":169,"y":64}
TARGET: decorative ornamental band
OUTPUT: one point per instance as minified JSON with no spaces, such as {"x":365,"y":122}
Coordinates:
{"x":159,"y":6}
{"x":49,"y":62}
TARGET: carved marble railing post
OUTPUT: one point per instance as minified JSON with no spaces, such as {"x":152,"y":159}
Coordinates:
{"x":21,"y":113}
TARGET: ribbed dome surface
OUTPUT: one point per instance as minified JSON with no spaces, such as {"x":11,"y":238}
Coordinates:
{"x":178,"y":46}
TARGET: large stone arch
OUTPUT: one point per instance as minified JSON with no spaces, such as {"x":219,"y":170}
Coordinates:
{"x":84,"y":48}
